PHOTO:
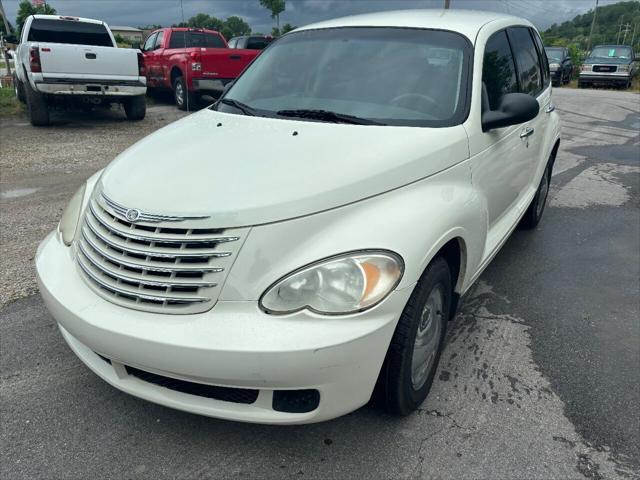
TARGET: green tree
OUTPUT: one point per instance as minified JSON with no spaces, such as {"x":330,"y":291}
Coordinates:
{"x":231,"y":27}
{"x":234,"y":27}
{"x":276,"y":7}
{"x":286,"y":28}
{"x":608,"y":21}
{"x":25,"y":8}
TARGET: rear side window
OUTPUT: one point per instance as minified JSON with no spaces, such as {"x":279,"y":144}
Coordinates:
{"x":498,"y":71}
{"x":195,"y":39}
{"x":257,"y":43}
{"x":177,"y":40}
{"x":213,"y":41}
{"x":526,"y":55}
{"x":69,"y":31}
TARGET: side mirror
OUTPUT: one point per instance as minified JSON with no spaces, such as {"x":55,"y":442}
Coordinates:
{"x":10,"y":39}
{"x":514,"y":108}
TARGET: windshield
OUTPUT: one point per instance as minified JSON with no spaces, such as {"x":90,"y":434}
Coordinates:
{"x":554,"y":55}
{"x":390,"y":76}
{"x":623,"y":53}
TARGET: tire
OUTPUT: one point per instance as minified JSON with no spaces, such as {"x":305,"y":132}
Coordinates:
{"x":185,"y":100}
{"x":135,"y":107}
{"x":36,"y":107}
{"x":404,"y":384}
{"x":19,"y":89}
{"x":533,"y":215}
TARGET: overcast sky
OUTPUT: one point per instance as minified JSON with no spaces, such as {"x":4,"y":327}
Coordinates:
{"x":542,"y":13}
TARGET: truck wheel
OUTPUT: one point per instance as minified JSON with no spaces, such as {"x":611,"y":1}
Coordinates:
{"x":185,"y":100}
{"x":135,"y":107}
{"x":36,"y":107}
{"x":412,"y":359}
{"x":19,"y":89}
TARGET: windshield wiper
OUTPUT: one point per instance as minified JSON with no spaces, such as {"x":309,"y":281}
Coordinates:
{"x":243,"y":107}
{"x":327,"y":116}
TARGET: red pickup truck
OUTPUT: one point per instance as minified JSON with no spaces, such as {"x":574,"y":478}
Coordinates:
{"x":191,"y":61}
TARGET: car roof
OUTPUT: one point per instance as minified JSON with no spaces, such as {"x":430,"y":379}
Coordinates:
{"x":67,"y":17}
{"x":466,"y":22}
{"x":612,"y":45}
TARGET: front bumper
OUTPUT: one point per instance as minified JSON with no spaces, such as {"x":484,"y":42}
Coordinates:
{"x":604,"y":79}
{"x":233,"y":345}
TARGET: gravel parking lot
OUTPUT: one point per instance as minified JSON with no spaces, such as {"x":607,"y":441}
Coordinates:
{"x":539,"y":378}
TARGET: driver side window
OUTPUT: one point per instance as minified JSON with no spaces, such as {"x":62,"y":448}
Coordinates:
{"x":148,"y":45}
{"x":498,"y":70}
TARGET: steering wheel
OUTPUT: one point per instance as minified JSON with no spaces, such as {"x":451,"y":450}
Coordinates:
{"x":418,"y":97}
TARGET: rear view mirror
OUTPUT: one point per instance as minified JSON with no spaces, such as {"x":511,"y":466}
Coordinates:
{"x":514,"y":108}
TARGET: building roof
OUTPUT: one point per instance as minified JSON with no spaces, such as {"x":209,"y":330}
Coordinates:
{"x":466,"y":22}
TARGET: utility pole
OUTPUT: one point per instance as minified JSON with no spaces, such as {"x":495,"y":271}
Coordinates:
{"x":447,"y":4}
{"x":619,"y":30}
{"x":627,"y":27}
{"x":2,"y":42}
{"x":593,"y":23}
{"x":633,"y":35}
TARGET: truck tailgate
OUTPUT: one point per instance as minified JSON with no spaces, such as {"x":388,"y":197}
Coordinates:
{"x":92,"y":61}
{"x":225,"y":62}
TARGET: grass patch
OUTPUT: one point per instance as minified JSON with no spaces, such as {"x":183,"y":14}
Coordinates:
{"x":9,"y":104}
{"x":635,"y":85}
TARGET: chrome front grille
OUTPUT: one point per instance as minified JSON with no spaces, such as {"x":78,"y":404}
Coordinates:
{"x":153,"y":264}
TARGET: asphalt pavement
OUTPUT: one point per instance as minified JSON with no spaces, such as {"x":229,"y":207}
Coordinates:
{"x":539,"y":379}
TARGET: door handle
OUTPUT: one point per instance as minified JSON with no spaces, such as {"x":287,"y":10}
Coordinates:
{"x":90,"y":56}
{"x":550,"y":108}
{"x":526,"y":132}
{"x":235,"y":57}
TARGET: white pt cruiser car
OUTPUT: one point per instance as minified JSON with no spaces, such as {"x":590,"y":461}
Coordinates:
{"x":299,"y":247}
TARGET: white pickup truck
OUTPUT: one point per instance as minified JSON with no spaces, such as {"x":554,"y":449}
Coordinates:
{"x":71,"y":60}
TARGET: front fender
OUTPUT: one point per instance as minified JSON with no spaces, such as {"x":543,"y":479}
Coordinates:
{"x":414,"y":221}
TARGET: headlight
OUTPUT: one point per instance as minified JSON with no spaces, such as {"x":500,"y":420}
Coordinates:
{"x":624,"y":68}
{"x":71,"y":216}
{"x":586,"y":68}
{"x":347,"y":283}
{"x":554,"y":66}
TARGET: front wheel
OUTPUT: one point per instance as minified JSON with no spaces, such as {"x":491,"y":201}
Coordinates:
{"x":414,"y":352}
{"x":135,"y":108}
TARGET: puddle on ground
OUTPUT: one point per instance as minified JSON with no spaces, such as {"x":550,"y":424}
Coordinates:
{"x":597,"y":185}
{"x":17,"y":193}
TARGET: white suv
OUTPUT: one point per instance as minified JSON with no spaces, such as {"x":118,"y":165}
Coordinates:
{"x":278,"y":256}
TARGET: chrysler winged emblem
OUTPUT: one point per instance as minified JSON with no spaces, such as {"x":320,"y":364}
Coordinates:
{"x":132,"y":214}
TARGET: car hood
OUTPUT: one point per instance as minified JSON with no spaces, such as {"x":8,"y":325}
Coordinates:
{"x":243,"y":170}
